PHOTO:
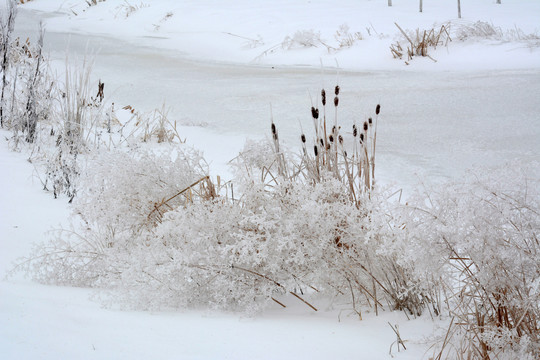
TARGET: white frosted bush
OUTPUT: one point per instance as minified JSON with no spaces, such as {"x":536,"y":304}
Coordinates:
{"x":227,"y":256}
{"x":119,"y":190}
{"x":479,"y":242}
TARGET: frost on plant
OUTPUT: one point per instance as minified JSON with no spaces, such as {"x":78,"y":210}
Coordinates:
{"x":302,"y":39}
{"x":118,"y":191}
{"x":344,"y":38}
{"x":484,"y":30}
{"x":478,"y":241}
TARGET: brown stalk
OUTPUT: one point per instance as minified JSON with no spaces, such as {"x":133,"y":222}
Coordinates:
{"x":165,"y":202}
{"x":278,"y":302}
{"x":275,"y":283}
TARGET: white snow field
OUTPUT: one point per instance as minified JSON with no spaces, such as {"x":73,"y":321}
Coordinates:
{"x":223,"y":67}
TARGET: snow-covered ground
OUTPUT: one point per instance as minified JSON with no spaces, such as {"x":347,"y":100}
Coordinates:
{"x":254,"y":32}
{"x":221,"y":66}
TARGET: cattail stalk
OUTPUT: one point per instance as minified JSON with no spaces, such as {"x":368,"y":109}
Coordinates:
{"x":377,"y":112}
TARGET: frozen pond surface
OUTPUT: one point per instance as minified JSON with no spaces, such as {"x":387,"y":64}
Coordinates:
{"x":432,"y":123}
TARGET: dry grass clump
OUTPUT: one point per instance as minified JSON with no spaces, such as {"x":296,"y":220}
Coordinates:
{"x":345,"y":39}
{"x":303,"y":39}
{"x":93,"y":2}
{"x":420,"y":42}
{"x":485,"y":30}
{"x":153,"y":125}
{"x":126,"y":9}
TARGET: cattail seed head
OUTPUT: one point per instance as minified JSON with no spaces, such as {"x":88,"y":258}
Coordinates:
{"x":303,"y":137}
{"x":340,"y":138}
{"x":336,"y":101}
{"x":354,"y":130}
{"x":322,"y":142}
{"x":331,"y":138}
{"x":327,"y":147}
{"x":378,"y":109}
{"x":314,"y":113}
{"x":334,"y":129}
{"x":336,"y":90}
{"x":365,"y":126}
{"x":370,"y":121}
{"x":345,"y":153}
{"x":361,"y":138}
{"x":316,"y":150}
{"x":274,"y":132}
{"x":323,"y":97}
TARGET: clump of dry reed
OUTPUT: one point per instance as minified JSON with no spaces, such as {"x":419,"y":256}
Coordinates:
{"x":152,"y":125}
{"x":420,"y":42}
{"x":329,"y":154}
{"x":334,"y":154}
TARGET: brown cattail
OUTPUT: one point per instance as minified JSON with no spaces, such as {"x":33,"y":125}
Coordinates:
{"x":334,"y":129}
{"x":365,"y":125}
{"x":378,"y":109}
{"x":361,"y":138}
{"x":322,"y":142}
{"x":323,"y":97}
{"x":354,"y":130}
{"x":314,"y":113}
{"x":336,"y":101}
{"x":331,"y":138}
{"x":274,"y":131}
{"x":303,"y":137}
{"x":345,"y":153}
{"x":327,"y":147}
{"x":336,"y":90}
{"x":340,"y":138}
{"x":315,"y":150}
{"x":370,"y":121}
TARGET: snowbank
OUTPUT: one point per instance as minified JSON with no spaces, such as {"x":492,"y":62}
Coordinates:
{"x":354,"y":34}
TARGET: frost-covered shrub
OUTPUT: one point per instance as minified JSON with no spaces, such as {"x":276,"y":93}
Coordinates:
{"x":27,"y":91}
{"x":150,"y":227}
{"x":119,"y":191}
{"x":478,"y":241}
{"x":295,"y":239}
{"x":302,"y":39}
{"x":481,"y":30}
{"x":7,"y":25}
